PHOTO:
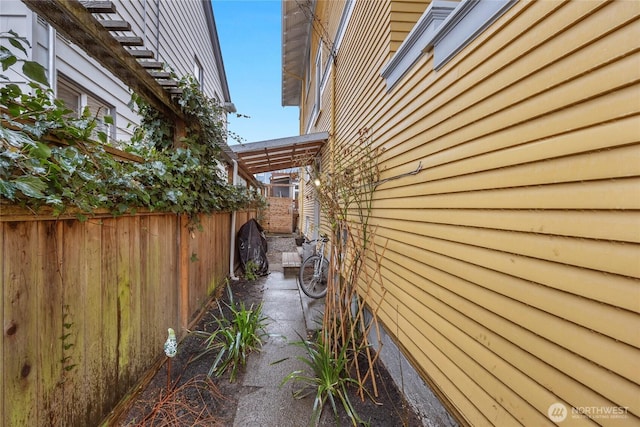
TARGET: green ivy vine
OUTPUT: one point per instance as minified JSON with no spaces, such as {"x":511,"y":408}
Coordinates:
{"x":77,"y":174}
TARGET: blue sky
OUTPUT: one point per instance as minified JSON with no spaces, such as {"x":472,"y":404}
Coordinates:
{"x":250,"y":39}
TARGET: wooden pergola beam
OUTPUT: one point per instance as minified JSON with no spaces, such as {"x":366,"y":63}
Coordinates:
{"x":77,"y":24}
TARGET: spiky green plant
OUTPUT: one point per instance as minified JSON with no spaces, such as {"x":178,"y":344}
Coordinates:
{"x":234,"y":337}
{"x":251,"y":269}
{"x":329,"y":380}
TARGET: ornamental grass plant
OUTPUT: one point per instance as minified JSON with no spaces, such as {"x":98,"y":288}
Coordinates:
{"x":236,"y":335}
{"x":330,"y":380}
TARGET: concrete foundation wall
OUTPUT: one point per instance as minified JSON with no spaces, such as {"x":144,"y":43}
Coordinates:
{"x":418,"y":394}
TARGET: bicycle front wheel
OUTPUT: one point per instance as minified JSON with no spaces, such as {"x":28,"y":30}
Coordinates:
{"x":314,"y":272}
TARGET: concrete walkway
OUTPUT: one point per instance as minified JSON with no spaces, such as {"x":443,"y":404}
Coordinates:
{"x":291,"y":314}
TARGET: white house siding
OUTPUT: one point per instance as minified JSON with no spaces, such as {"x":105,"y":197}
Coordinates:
{"x":176,"y":31}
{"x":512,"y":259}
{"x":17,"y":17}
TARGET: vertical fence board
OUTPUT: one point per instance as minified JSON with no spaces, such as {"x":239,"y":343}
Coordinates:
{"x":216,"y":245}
{"x":219,"y":243}
{"x":124,"y":304}
{"x":162,"y":284}
{"x":50,"y":324}
{"x":93,"y":339}
{"x":146,"y":296}
{"x":195,"y":277}
{"x":73,"y":331}
{"x":20,"y":325}
{"x":110,"y":314}
{"x":3,"y":267}
{"x":167,"y":286}
{"x":135,"y":267}
{"x":184,"y":246}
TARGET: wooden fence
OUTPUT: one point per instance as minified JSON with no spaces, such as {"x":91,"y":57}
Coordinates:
{"x":86,"y":306}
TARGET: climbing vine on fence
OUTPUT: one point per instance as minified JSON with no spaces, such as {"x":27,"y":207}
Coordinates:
{"x":76,"y":173}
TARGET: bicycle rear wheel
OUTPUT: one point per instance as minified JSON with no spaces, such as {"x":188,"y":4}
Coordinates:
{"x":314,"y":285}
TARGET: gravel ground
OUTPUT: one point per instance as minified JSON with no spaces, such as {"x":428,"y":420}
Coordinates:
{"x":281,"y":243}
{"x":276,"y":245}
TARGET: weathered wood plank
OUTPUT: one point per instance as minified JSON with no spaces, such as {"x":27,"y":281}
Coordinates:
{"x":184,"y":245}
{"x":20,"y":327}
{"x":124,"y":320}
{"x":93,"y":321}
{"x":50,"y":321}
{"x":168,"y":83}
{"x":110,"y":313}
{"x":74,"y":332}
{"x":3,"y":230}
{"x":135,"y":268}
{"x":115,"y":25}
{"x":290,"y":259}
{"x":99,"y":6}
{"x":150,"y":293}
{"x":141,"y":53}
{"x":170,"y":278}
{"x":156,"y":65}
{"x":130,"y":40}
{"x":160,"y":74}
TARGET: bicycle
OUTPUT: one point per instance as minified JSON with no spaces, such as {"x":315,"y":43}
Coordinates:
{"x":314,"y":272}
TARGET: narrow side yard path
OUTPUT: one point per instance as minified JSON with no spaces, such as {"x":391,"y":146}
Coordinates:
{"x":256,"y":398}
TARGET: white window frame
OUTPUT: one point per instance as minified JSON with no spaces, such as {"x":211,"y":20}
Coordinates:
{"x":83,"y":101}
{"x":324,"y":70}
{"x":308,"y":76}
{"x":198,"y":72}
{"x":446,"y":27}
{"x":317,"y":102}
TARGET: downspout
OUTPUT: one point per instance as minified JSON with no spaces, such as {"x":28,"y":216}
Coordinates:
{"x":51,"y":58}
{"x":232,"y":243}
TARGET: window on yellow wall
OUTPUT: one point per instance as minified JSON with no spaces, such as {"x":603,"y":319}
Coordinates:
{"x":445,"y":28}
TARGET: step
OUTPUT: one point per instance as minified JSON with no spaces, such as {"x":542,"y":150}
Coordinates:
{"x":291,"y":260}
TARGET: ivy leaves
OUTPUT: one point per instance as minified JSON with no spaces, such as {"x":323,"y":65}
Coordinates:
{"x":31,"y":69}
{"x":76,"y":172}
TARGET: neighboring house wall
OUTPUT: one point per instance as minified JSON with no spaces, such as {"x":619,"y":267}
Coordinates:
{"x":177,"y":32}
{"x":511,"y":259}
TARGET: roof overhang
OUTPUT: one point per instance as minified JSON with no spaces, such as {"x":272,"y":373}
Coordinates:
{"x":296,"y":32}
{"x":282,"y":153}
{"x":217,"y":52}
